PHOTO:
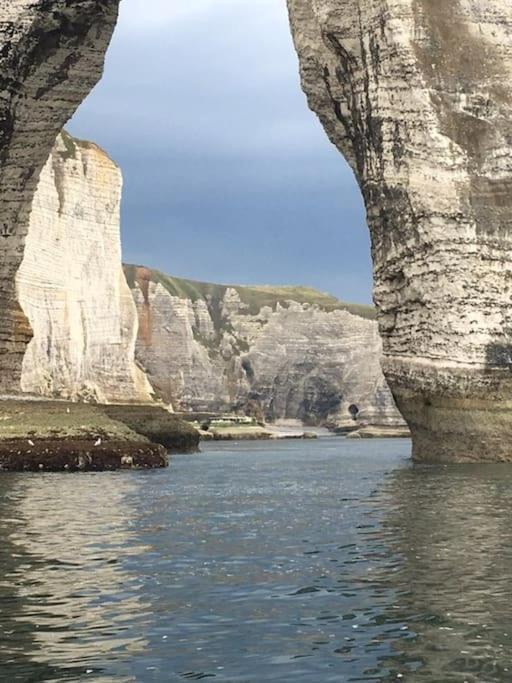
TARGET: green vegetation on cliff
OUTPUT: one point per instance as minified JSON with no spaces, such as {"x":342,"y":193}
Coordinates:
{"x":72,"y":145}
{"x":255,"y":297}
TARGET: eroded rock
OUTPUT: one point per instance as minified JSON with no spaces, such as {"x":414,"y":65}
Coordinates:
{"x":71,"y":284}
{"x":274,"y":352}
{"x":417,"y":95}
{"x":51,"y":55}
{"x":51,"y":436}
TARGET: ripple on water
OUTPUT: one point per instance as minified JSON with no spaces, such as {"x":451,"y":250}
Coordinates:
{"x":307,"y":562}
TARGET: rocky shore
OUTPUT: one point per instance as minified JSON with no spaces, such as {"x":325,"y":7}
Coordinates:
{"x":74,"y":455}
{"x":60,"y":436}
{"x":371,"y":432}
{"x":252,"y":434}
{"x":233,"y":427}
{"x":158,"y":425}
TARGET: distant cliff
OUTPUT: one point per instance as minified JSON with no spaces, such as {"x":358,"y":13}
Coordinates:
{"x":279,"y":353}
{"x":71,"y":285}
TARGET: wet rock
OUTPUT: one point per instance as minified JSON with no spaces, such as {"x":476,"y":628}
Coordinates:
{"x":57,"y":435}
{"x":158,"y":425}
{"x":79,"y":456}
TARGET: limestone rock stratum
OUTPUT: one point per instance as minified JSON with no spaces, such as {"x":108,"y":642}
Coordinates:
{"x":278,"y":353}
{"x":417,"y":94}
{"x":71,"y":284}
{"x":51,"y":55}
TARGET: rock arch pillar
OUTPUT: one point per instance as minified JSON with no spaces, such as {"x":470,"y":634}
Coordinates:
{"x":51,"y":55}
{"x":417,"y":95}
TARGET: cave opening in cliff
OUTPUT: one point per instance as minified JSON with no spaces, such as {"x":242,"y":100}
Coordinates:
{"x":354,"y":411}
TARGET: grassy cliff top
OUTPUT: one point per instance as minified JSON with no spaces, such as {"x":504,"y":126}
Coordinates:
{"x":255,"y":297}
{"x":72,"y":144}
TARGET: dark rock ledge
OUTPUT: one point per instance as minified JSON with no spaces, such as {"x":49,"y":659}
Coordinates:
{"x":49,"y":455}
{"x":51,"y":436}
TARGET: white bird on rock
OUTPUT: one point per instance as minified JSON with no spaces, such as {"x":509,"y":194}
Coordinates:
{"x":31,"y":443}
{"x":98,"y":442}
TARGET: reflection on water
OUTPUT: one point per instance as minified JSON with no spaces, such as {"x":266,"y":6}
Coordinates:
{"x":311,"y":562}
{"x":65,"y":545}
{"x":450,"y":530}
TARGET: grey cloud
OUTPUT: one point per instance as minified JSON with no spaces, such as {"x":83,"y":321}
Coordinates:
{"x":228,"y":175}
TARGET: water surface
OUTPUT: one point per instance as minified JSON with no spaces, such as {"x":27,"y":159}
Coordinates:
{"x":318,"y":561}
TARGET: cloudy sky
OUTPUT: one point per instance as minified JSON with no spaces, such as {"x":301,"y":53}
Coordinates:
{"x":228,"y":175}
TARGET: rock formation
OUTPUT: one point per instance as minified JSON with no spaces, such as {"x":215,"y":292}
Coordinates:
{"x":71,"y":284}
{"x":276,"y":352}
{"x":51,"y":55}
{"x":51,"y":436}
{"x":417,"y":95}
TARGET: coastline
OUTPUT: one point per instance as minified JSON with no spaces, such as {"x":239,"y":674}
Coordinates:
{"x":380,"y":432}
{"x":253,"y":434}
{"x":294,"y":429}
{"x":53,"y":435}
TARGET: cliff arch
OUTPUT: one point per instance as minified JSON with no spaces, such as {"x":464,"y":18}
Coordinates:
{"x":425,"y":122}
{"x":52,"y":54}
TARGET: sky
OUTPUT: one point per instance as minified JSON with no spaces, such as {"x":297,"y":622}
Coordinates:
{"x":228,"y":176}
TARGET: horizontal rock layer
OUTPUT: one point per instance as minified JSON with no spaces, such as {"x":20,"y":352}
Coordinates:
{"x":51,"y":55}
{"x":276,"y":353}
{"x":417,"y":95}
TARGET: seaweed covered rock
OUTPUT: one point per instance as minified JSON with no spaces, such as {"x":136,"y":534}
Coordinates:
{"x":157,"y":425}
{"x":58,"y":435}
{"x":48,"y":455}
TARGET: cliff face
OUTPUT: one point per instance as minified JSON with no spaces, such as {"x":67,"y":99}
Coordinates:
{"x":281,"y":353}
{"x":51,"y":55}
{"x":417,"y":95}
{"x":71,"y":284}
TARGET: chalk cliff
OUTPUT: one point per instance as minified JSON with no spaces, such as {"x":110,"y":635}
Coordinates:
{"x":51,"y":55}
{"x":417,"y":95}
{"x":277,"y":352}
{"x":71,"y":284}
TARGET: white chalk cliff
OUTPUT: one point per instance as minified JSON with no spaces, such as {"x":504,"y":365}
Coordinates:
{"x":71,"y":285}
{"x":280,"y":353}
{"x":417,"y":94}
